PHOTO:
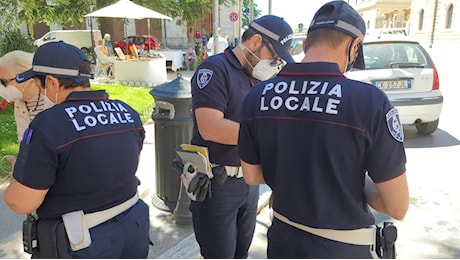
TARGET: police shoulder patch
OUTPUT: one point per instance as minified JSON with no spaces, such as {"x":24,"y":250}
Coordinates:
{"x":394,"y":125}
{"x":203,"y":77}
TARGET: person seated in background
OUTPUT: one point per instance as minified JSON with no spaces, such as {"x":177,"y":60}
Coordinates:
{"x":101,"y":46}
{"x":191,"y":58}
{"x":105,"y":61}
{"x":143,"y":52}
{"x":204,"y":54}
{"x":108,"y":44}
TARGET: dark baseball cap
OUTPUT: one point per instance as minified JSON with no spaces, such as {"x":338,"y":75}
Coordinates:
{"x":277,"y":31}
{"x":341,"y":16}
{"x":57,"y":59}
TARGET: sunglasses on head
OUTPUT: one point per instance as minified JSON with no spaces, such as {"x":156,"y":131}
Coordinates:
{"x":6,"y":81}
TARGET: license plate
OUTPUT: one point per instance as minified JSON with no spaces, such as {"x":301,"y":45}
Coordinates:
{"x":392,"y":84}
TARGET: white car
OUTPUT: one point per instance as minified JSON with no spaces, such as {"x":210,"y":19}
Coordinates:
{"x":403,"y":69}
{"x":296,"y":49}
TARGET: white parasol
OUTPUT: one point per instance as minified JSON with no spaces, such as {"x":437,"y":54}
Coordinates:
{"x":128,"y":9}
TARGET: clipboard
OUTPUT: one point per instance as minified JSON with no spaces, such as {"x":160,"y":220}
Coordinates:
{"x":196,"y":154}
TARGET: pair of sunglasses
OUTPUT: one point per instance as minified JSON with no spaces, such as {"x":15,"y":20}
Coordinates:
{"x":6,"y":81}
{"x":277,"y":60}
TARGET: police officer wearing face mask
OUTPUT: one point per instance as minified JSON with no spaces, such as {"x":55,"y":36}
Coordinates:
{"x":75,"y":172}
{"x":224,"y":224}
{"x":328,"y":147}
{"x":27,"y":97}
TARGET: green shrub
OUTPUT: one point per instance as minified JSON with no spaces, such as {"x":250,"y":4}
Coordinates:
{"x":14,"y":39}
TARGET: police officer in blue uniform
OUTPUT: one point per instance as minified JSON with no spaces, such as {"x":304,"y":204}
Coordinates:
{"x":76,"y":166}
{"x":327,"y":146}
{"x":224,"y":224}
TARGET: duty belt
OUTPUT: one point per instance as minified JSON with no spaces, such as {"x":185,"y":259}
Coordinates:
{"x":234,"y":171}
{"x":77,"y":224}
{"x":96,"y":218}
{"x":362,"y":236}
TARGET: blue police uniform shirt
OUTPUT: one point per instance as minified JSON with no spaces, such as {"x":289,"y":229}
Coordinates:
{"x":220,"y":83}
{"x":85,"y":151}
{"x":316,"y":134}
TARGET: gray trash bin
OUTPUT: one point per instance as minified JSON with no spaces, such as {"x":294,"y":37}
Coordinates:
{"x":173,"y":126}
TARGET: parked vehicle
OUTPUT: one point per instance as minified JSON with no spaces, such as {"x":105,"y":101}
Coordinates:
{"x":403,"y":69}
{"x":79,"y":38}
{"x":296,"y":48}
{"x":385,"y":32}
{"x":151,"y":42}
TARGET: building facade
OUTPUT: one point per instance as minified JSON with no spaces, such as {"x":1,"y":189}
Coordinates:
{"x":431,"y":22}
{"x":435,"y":22}
{"x":382,"y":14}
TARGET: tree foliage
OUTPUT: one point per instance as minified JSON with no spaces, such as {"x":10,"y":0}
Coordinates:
{"x":246,"y":19}
{"x":72,"y":12}
{"x":65,"y":12}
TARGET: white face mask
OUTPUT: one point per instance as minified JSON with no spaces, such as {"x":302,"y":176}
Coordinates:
{"x":47,"y":103}
{"x":264,"y":69}
{"x":10,"y":93}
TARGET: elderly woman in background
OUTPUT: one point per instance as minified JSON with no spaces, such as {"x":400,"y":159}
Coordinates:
{"x":108,"y":44}
{"x":27,"y":97}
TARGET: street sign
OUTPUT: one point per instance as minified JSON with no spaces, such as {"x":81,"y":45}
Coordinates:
{"x":233,"y":17}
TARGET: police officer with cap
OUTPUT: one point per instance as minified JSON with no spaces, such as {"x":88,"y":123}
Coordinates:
{"x":75,"y":172}
{"x":328,"y":147}
{"x":224,"y":223}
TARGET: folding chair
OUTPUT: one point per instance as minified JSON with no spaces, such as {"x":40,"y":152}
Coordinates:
{"x":104,"y":65}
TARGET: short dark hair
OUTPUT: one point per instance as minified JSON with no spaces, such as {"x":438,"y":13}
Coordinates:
{"x":248,"y":33}
{"x":330,"y":37}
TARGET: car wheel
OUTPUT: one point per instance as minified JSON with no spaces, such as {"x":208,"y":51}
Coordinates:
{"x":427,"y":128}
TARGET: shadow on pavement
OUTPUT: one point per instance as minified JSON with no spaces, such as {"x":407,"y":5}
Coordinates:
{"x":440,"y":138}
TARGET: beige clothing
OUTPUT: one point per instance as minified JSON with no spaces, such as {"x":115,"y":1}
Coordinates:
{"x":25,"y":112}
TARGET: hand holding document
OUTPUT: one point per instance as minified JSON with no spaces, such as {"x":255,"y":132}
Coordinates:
{"x":196,"y":171}
{"x":198,"y":155}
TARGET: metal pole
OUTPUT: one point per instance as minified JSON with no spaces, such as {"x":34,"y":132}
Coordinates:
{"x":240,"y":20}
{"x":148,"y":28}
{"x":251,"y":11}
{"x":93,"y":54}
{"x":215,"y":15}
{"x":269,"y":6}
{"x":435,"y":14}
{"x":163,"y":22}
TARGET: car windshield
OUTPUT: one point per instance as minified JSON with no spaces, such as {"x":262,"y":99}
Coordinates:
{"x":386,"y":55}
{"x":296,"y":45}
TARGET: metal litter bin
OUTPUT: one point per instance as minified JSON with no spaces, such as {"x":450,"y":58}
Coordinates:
{"x":173,"y":126}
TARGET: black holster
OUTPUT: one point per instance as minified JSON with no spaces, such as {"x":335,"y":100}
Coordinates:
{"x":386,"y":238}
{"x":52,"y":240}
